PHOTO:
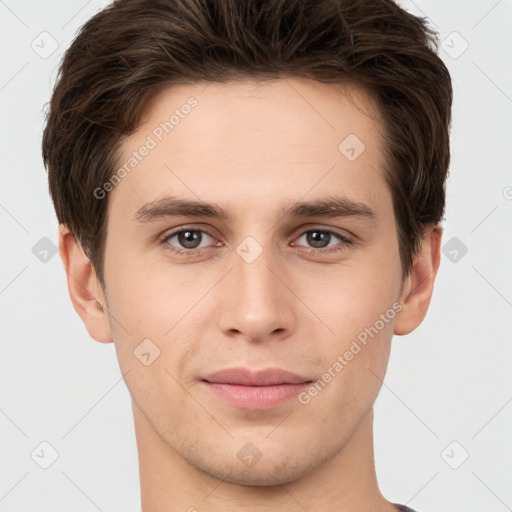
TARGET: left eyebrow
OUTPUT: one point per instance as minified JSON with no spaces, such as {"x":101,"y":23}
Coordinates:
{"x":330,"y":207}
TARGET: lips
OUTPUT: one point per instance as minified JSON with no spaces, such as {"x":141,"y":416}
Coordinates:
{"x":246,"y":377}
{"x":256,"y":390}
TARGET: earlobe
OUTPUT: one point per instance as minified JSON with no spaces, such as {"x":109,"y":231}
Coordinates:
{"x":84,"y":289}
{"x":419,"y":285}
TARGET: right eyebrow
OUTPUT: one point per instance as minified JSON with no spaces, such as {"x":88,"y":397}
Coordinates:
{"x":173,"y":207}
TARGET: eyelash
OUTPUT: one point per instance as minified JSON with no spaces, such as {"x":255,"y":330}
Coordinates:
{"x":195,"y":252}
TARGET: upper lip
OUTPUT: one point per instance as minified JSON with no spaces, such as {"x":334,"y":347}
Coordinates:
{"x":247,"y":377}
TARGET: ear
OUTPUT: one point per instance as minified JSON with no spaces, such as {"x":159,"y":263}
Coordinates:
{"x":84,"y":288}
{"x":419,"y":285}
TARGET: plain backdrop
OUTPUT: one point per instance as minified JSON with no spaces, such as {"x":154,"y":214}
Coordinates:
{"x":444,"y":414}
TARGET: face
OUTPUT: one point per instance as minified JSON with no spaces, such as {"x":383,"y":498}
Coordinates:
{"x":268,"y":284}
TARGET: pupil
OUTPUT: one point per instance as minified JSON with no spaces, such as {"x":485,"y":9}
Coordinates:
{"x":316,"y":238}
{"x":188,"y":238}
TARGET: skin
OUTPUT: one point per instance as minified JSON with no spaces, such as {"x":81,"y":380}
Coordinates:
{"x":251,"y":147}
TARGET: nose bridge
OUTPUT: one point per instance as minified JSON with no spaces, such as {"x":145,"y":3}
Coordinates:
{"x":253,"y":262}
{"x":258,"y":303}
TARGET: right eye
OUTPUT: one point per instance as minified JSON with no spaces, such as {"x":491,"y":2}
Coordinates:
{"x":189,"y":239}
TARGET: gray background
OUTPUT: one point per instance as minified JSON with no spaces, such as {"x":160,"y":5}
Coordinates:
{"x":447,"y":393}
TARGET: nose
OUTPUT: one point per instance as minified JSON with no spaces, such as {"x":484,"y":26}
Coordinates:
{"x":256,"y":301}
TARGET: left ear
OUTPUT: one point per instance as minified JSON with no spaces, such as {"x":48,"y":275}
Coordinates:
{"x":419,"y":285}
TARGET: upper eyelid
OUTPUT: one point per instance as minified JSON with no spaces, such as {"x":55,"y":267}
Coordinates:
{"x":174,"y":232}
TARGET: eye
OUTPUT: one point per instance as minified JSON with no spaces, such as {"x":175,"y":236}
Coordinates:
{"x":189,"y":240}
{"x":319,"y":239}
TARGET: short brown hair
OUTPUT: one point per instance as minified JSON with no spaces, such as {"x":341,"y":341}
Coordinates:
{"x":128,"y":52}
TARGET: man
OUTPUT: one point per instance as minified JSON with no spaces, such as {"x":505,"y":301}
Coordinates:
{"x":249,"y":197}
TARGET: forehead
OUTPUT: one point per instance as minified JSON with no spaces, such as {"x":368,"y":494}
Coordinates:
{"x":295,"y":110}
{"x":251,"y":140}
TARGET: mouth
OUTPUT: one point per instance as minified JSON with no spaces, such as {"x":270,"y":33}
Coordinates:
{"x":261,"y":390}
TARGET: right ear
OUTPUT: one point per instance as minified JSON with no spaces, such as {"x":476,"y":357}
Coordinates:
{"x":84,"y":288}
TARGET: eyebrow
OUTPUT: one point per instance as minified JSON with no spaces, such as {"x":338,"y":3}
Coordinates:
{"x":329,"y":207}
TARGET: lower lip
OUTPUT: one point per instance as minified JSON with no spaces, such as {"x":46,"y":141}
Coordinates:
{"x":256,"y":397}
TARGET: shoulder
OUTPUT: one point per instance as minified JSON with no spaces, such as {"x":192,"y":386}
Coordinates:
{"x":403,"y":508}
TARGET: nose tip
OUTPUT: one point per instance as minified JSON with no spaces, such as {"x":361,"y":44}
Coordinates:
{"x":258,"y":305}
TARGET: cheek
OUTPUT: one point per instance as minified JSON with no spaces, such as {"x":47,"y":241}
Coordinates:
{"x":156,"y":304}
{"x":147,"y":298}
{"x":360,"y":306}
{"x":352,"y":297}
{"x":145,"y":321}
{"x":355,"y":366}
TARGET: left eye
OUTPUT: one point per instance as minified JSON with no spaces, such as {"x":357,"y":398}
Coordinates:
{"x":317,"y":237}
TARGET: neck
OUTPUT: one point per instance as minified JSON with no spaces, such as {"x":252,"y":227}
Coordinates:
{"x":345,"y":483}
